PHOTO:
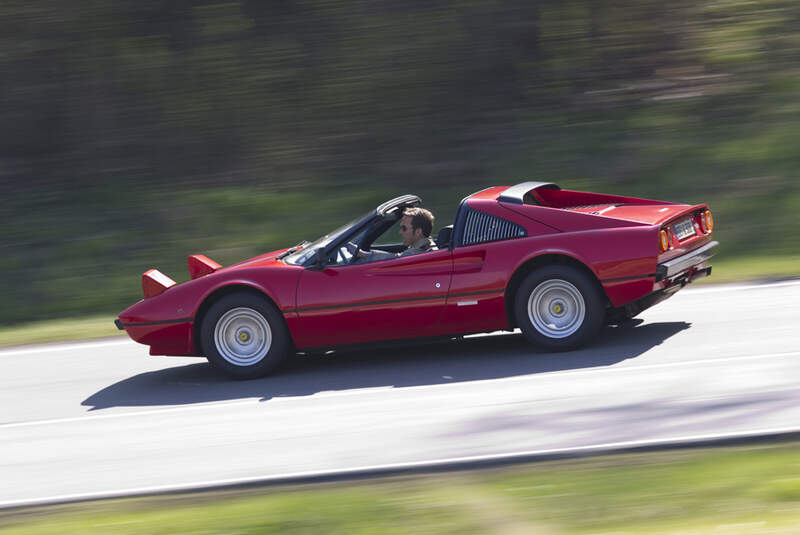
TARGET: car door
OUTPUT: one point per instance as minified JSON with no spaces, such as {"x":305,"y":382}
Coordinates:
{"x":390,"y":299}
{"x":487,"y":249}
{"x":476,"y":299}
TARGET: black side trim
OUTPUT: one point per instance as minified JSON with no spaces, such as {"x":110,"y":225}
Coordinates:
{"x":162,"y":322}
{"x":119,"y":325}
{"x":482,"y":292}
{"x":458,"y":227}
{"x":629,"y":278}
{"x":370,"y":303}
{"x":390,"y":301}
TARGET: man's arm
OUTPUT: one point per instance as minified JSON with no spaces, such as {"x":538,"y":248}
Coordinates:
{"x":369,"y":256}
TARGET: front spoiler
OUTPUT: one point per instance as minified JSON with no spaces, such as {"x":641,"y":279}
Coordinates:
{"x":673,"y":267}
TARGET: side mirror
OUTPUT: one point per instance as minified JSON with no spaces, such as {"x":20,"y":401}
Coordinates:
{"x":318,"y":259}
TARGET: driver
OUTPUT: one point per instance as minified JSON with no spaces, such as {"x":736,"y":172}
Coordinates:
{"x":415,"y":231}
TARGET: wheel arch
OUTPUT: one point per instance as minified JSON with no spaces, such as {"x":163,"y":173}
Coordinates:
{"x":534,"y":263}
{"x":220,"y":293}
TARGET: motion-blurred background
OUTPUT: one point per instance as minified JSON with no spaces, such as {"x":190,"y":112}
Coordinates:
{"x":136,"y":132}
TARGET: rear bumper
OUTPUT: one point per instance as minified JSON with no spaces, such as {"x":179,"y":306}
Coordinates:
{"x":667,"y":290}
{"x":671,"y":276}
{"x":676,"y":266}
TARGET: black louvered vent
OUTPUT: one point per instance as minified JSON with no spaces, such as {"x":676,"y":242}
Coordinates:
{"x":481,"y":227}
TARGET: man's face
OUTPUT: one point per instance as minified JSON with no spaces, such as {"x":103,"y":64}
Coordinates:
{"x":408,"y":233}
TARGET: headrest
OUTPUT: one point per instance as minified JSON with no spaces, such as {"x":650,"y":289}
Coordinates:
{"x":444,"y":236}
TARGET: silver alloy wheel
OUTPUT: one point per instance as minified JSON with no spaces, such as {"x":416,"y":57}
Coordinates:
{"x":556,"y":308}
{"x":242,"y":336}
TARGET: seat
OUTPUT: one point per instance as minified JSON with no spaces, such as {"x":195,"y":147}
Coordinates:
{"x":444,"y":237}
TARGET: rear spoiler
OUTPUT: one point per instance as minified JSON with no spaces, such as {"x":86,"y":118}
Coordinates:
{"x":200,"y":265}
{"x":520,"y":194}
{"x":155,"y":283}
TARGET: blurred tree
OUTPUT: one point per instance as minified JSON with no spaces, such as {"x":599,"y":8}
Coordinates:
{"x":113,"y":114}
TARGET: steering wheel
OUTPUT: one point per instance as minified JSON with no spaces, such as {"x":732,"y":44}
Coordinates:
{"x":347,"y":253}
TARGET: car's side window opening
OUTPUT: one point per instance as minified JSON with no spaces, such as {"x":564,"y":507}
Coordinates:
{"x":344,"y":254}
{"x":348,"y":251}
{"x":480,"y":227}
{"x":378,"y":243}
{"x":392,"y":233}
{"x":385,"y":244}
{"x":387,"y":239}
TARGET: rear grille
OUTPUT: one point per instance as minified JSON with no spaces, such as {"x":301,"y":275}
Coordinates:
{"x":481,"y":227}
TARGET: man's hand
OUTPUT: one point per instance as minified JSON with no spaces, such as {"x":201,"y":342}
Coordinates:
{"x":352,"y":248}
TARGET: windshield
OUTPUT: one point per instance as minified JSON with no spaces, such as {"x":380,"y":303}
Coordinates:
{"x":302,"y":256}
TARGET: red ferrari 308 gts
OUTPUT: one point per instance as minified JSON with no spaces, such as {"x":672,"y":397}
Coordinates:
{"x":555,"y":263}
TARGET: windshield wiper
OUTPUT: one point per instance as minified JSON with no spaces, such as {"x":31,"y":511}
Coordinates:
{"x":294,"y":249}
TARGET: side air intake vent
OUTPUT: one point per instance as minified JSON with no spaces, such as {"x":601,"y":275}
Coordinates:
{"x":481,"y":227}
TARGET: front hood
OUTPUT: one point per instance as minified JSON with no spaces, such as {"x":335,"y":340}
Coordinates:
{"x":257,"y":261}
{"x":651,"y":214}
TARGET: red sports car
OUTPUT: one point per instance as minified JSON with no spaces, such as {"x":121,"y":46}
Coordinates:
{"x":555,"y":263}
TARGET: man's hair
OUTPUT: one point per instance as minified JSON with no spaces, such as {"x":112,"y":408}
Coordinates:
{"x":420,"y":218}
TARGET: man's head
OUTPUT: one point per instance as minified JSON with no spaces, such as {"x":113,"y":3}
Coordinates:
{"x":416,"y":223}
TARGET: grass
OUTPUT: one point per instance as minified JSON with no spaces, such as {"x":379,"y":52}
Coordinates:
{"x":65,"y":330}
{"x":733,"y":490}
{"x":753,"y":268}
{"x":62,"y":330}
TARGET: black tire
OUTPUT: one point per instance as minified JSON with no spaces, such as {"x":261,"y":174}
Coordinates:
{"x":245,"y":336}
{"x":559,"y":307}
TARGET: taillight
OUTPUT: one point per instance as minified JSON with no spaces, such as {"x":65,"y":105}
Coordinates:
{"x":708,"y":221}
{"x":663,"y":241}
{"x":704,"y":222}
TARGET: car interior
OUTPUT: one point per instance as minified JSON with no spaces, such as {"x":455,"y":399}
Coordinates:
{"x":381,"y":235}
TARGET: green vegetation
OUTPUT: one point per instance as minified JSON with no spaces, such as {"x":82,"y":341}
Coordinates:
{"x":756,"y":268}
{"x":735,"y":490}
{"x":137,"y":132}
{"x":63,"y":330}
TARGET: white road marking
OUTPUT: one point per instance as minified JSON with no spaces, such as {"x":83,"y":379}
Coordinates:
{"x":608,"y":447}
{"x":92,"y":417}
{"x":65,"y":347}
{"x":736,"y":287}
{"x":357,"y":392}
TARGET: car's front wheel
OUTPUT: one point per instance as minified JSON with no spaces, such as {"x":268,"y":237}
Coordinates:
{"x":244,"y":336}
{"x":559,"y":308}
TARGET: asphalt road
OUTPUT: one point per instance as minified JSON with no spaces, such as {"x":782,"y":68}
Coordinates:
{"x":90,"y":419}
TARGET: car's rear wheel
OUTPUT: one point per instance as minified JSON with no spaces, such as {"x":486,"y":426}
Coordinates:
{"x":244,"y":336}
{"x":559,"y":308}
